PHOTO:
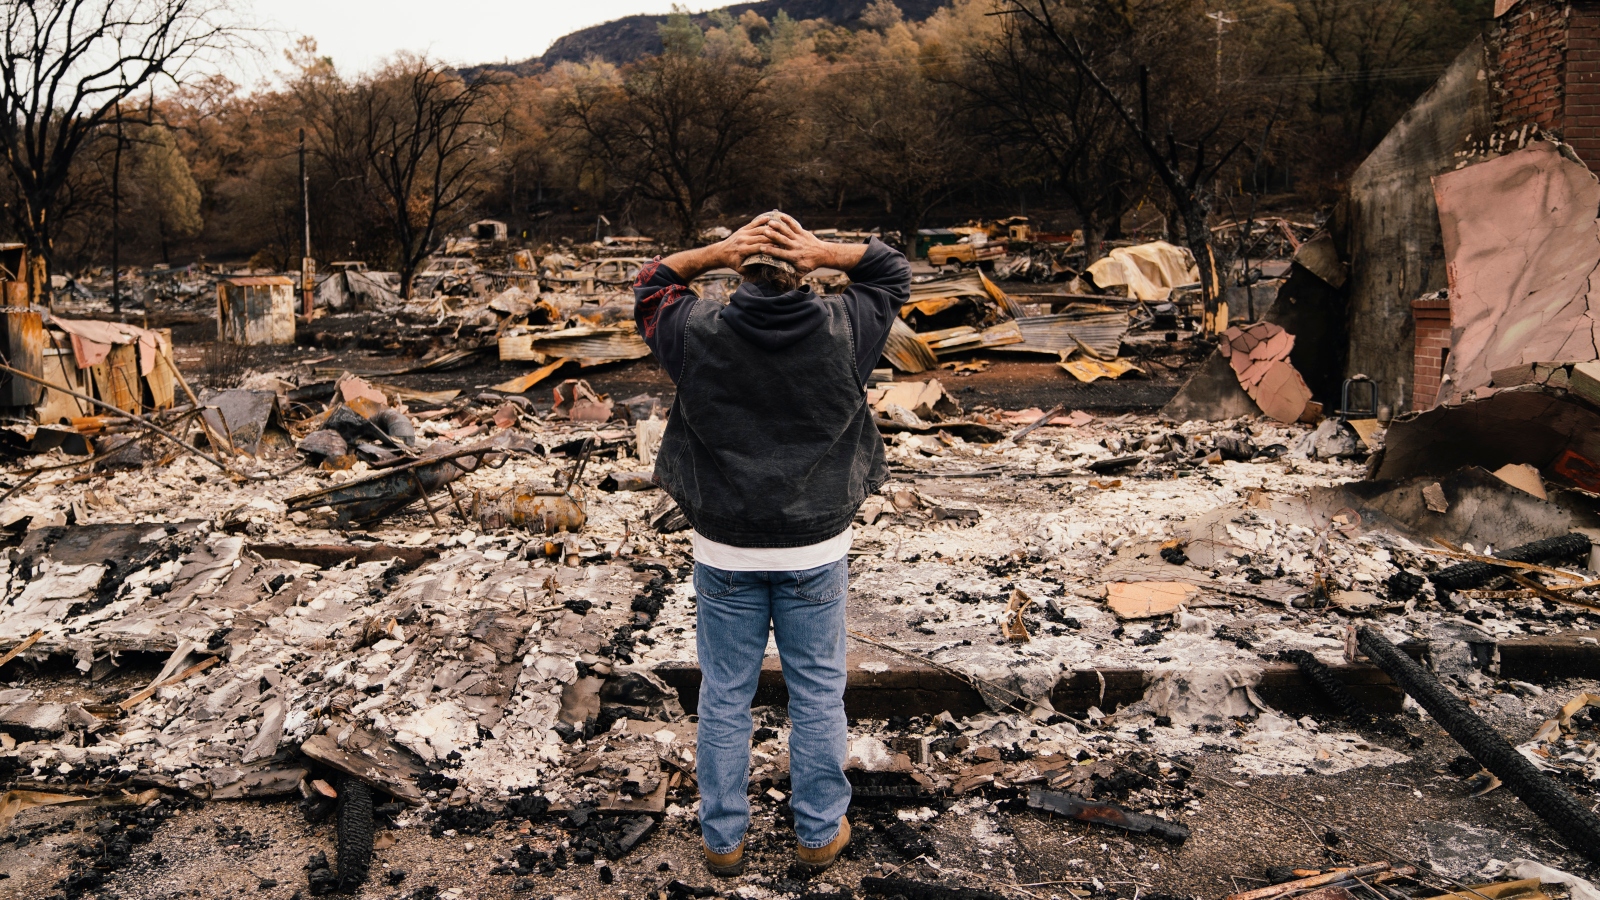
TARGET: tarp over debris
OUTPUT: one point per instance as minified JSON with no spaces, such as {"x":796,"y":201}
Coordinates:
{"x":92,"y":341}
{"x":1150,"y":271}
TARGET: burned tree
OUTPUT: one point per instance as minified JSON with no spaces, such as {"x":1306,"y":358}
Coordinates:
{"x":411,"y":139}
{"x":680,"y":130}
{"x":1151,"y":64}
{"x":65,"y":66}
{"x":1031,"y":98}
{"x":895,"y":134}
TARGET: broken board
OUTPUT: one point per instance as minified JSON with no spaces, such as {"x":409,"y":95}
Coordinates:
{"x":1148,"y":599}
{"x":374,"y":760}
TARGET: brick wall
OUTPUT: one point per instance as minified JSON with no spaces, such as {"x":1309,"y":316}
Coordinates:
{"x":1581,"y":106}
{"x":1528,"y":51}
{"x":1432,"y":317}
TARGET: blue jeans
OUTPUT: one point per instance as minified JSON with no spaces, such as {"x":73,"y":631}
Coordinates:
{"x":806,"y":610}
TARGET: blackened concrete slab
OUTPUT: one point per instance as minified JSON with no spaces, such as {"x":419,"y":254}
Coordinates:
{"x":1551,"y":657}
{"x":903,"y":688}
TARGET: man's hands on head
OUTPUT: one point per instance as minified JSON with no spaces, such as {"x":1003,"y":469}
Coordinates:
{"x":788,"y":240}
{"x":744,"y":243}
{"x":728,"y":252}
{"x":774,"y":233}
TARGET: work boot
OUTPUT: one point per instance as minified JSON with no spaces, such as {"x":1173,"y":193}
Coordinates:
{"x":724,"y":865}
{"x":819,"y":858}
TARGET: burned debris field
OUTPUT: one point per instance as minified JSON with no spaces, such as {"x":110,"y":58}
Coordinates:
{"x":422,"y":625}
{"x":1239,"y":407}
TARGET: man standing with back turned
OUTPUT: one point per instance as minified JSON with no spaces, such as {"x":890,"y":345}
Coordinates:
{"x":769,"y":450}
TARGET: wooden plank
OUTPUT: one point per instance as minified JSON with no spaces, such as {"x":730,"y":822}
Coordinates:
{"x":116,"y":379}
{"x":24,"y":349}
{"x":519,"y":348}
{"x":373,"y":759}
{"x":160,"y":381}
{"x":1551,"y":657}
{"x":280,"y":314}
{"x":329,"y":555}
{"x":16,"y":651}
{"x":61,"y":370}
{"x":150,"y":691}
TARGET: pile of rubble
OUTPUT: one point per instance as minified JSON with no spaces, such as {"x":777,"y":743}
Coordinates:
{"x":472,"y":610}
{"x":505,"y":616}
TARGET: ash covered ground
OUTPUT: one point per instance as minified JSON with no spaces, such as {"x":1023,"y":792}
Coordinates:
{"x":200,"y":687}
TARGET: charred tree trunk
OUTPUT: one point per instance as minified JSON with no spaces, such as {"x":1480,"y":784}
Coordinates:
{"x":1197,"y":237}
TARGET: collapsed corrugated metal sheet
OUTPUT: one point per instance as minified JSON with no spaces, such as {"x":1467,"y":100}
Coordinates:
{"x":965,"y":337}
{"x":1100,"y":332}
{"x":906,"y":352}
{"x":972,"y":284}
{"x":967,"y":285}
{"x":588,"y":344}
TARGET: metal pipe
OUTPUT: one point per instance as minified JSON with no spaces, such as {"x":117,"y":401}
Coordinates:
{"x":122,"y":412}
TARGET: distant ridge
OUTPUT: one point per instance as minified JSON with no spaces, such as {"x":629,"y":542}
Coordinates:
{"x":626,"y":39}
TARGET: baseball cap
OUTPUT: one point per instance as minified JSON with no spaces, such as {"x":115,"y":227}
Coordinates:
{"x":767,"y":259}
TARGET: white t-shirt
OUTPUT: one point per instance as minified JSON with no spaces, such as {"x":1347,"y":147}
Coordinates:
{"x":771,"y":559}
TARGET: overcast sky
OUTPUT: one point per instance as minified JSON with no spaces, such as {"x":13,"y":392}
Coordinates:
{"x":359,"y":33}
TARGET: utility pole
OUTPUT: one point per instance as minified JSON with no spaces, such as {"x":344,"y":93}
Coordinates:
{"x":1222,"y":20}
{"x":308,"y":268}
{"x":116,"y":211}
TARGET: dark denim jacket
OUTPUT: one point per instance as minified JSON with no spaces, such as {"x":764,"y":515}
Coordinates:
{"x":770,"y":448}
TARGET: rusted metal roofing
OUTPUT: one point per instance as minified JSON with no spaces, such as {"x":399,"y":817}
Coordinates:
{"x":967,"y":285}
{"x":592,"y":344}
{"x":1100,"y":332}
{"x":906,"y":352}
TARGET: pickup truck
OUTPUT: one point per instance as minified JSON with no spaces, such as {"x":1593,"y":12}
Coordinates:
{"x":964,"y":253}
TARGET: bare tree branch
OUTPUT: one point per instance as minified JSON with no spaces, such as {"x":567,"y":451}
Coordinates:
{"x":65,"y":66}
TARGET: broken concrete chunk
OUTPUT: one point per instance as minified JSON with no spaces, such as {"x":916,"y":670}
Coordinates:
{"x":1354,"y":601}
{"x":1433,"y":496}
{"x":42,"y":719}
{"x":255,"y":784}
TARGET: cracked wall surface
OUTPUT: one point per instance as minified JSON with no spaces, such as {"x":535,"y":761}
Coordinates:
{"x":1393,"y":227}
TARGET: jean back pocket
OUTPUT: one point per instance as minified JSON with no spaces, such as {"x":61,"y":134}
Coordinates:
{"x":823,"y":583}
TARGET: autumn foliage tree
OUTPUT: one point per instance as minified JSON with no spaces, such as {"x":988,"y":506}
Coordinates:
{"x":1091,"y":114}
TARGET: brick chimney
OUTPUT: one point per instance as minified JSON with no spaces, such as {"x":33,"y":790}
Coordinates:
{"x":1545,"y":71}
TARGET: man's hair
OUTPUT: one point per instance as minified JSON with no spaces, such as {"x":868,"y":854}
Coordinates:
{"x":757,"y":273}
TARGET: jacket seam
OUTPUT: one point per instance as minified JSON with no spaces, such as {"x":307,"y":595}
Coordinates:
{"x":683,"y":337}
